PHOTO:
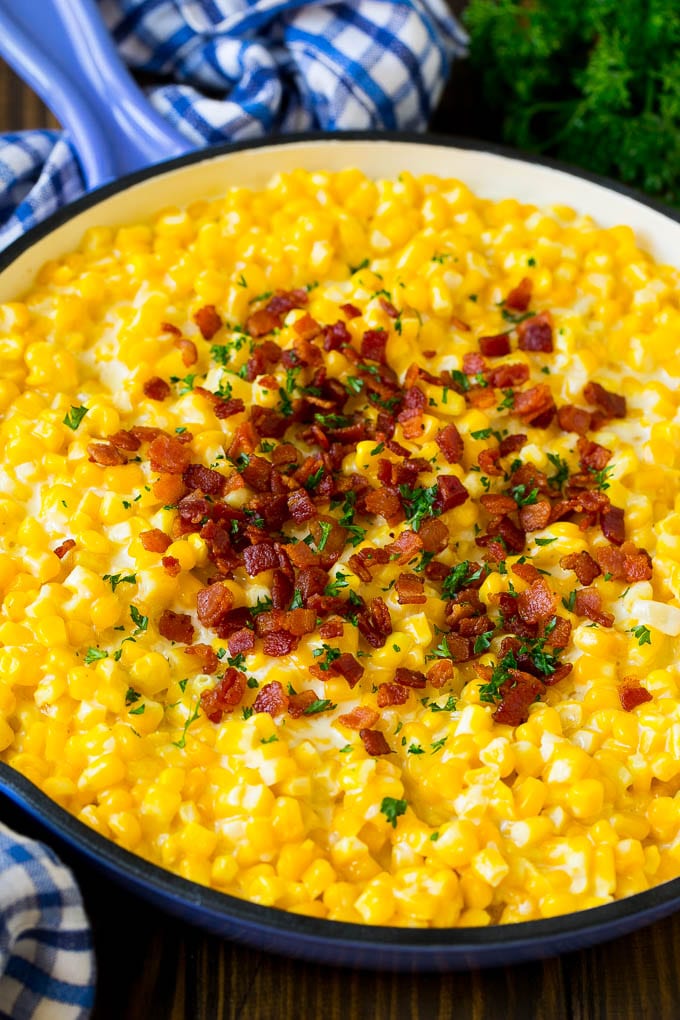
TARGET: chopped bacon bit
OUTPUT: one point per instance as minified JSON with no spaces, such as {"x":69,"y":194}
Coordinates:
{"x":206,"y":656}
{"x":241,"y":641}
{"x":506,"y":376}
{"x":262,"y":322}
{"x":593,"y":457}
{"x":204,"y":479}
{"x":527,"y":571}
{"x":613,"y":525}
{"x":336,"y":336}
{"x":611,"y":404}
{"x":518,"y":693}
{"x":280,"y":643}
{"x":450,"y":493}
{"x":440,"y":673}
{"x":494,"y":346}
{"x":299,"y":703}
{"x":208,"y":321}
{"x":272,"y":699}
{"x":187,"y":349}
{"x":583,"y":565}
{"x":588,"y":602}
{"x":332,"y":628}
{"x":536,"y":406}
{"x":385,"y":503}
{"x":156,"y":388}
{"x":574,"y":419}
{"x":405,"y":547}
{"x":535,"y":334}
{"x":125,"y":440}
{"x":105,"y":454}
{"x":168,"y":327}
{"x":169,"y":454}
{"x":64,"y":548}
{"x":536,"y":603}
{"x":434,"y":535}
{"x":520,"y":296}
{"x":460,"y":648}
{"x":155,"y":540}
{"x":300,"y":506}
{"x":213,"y":603}
{"x":625,"y":564}
{"x":172,"y":566}
{"x":632,"y":693}
{"x":306,"y":327}
{"x":511,"y":444}
{"x":497,"y":504}
{"x":388,"y":308}
{"x":457,"y":324}
{"x":410,"y":678}
{"x":146,"y":433}
{"x":392,"y":694}
{"x":351,"y":311}
{"x":473,"y":363}
{"x":559,"y":635}
{"x":374,"y":742}
{"x":410,"y":590}
{"x":535,"y":516}
{"x":374,"y":622}
{"x":225,"y":696}
{"x":347,"y":667}
{"x":283,"y":301}
{"x":373,"y":344}
{"x":257,"y":474}
{"x":488,"y":462}
{"x":450,"y":442}
{"x":260,"y":557}
{"x":360,"y":718}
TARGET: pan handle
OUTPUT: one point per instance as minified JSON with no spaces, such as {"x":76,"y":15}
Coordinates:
{"x":63,"y":50}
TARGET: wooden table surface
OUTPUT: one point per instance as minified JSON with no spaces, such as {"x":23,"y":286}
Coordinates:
{"x":152,"y":967}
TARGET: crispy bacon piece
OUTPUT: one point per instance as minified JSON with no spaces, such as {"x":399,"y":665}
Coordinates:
{"x":507,"y":376}
{"x":213,"y":603}
{"x":125,"y":440}
{"x":388,"y":308}
{"x":450,"y":442}
{"x":351,"y":311}
{"x":613,"y":525}
{"x":169,"y":327}
{"x":583,"y":565}
{"x":450,"y":493}
{"x":155,"y":540}
{"x":374,"y":742}
{"x":187,"y":349}
{"x":410,"y":678}
{"x":347,"y":667}
{"x":300,"y":506}
{"x":360,"y":718}
{"x":172,"y":566}
{"x":632,"y":693}
{"x":262,"y":322}
{"x":392,"y":694}
{"x":260,"y":557}
{"x":520,"y":296}
{"x":535,"y":516}
{"x":593,"y":457}
{"x":197,"y":476}
{"x":169,"y":454}
{"x":272,"y":699}
{"x":434,"y":535}
{"x":410,"y":590}
{"x":518,"y":693}
{"x":221,"y":408}
{"x":535,"y":406}
{"x":574,"y":419}
{"x":299,"y":703}
{"x":306,"y":327}
{"x":536,"y":603}
{"x":374,"y":622}
{"x":625,"y":564}
{"x":611,"y":404}
{"x":494,"y":346}
{"x":296,"y":621}
{"x":225,"y":696}
{"x":373,"y":344}
{"x":488,"y":462}
{"x":362,"y":562}
{"x":64,"y":547}
{"x":511,"y":444}
{"x":336,"y":336}
{"x":386,"y":503}
{"x":413,"y":405}
{"x":257,"y":474}
{"x":208,"y":321}
{"x":535,"y":334}
{"x":206,"y":656}
{"x":105,"y":454}
{"x":283,"y":301}
{"x":440,"y":673}
{"x":473,"y":363}
{"x":527,"y":571}
{"x":279,"y":643}
{"x":332,"y":628}
{"x":497,"y":504}
{"x":241,"y":641}
{"x":156,"y":388}
{"x":588,"y":602}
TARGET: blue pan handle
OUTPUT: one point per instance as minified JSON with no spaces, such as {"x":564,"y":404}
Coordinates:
{"x":63,"y":50}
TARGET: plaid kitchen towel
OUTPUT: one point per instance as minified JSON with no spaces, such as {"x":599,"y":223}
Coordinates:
{"x":46,"y":958}
{"x":238,"y":69}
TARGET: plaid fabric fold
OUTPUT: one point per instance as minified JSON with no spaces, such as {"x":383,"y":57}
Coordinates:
{"x":46,"y":959}
{"x":239,"y":69}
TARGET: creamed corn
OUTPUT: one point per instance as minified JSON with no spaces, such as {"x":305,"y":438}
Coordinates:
{"x":340,"y":549}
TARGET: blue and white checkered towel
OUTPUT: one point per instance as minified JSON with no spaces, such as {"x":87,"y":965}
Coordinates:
{"x":239,"y":69}
{"x":46,"y":957}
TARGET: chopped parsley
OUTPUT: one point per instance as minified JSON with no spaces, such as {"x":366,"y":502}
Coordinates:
{"x":419,"y":504}
{"x":331,"y":655}
{"x":448,"y":706}
{"x":94,"y":655}
{"x":561,"y":470}
{"x":131,"y":695}
{"x":74,"y":416}
{"x":141,"y":622}
{"x":325,"y":527}
{"x":116,"y":579}
{"x":642,"y":633}
{"x":320,"y":705}
{"x":392,"y":809}
{"x":192,"y":717}
{"x":522,"y":497}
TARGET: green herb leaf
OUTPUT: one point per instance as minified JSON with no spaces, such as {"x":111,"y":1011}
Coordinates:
{"x":116,"y":579}
{"x":94,"y":655}
{"x":75,"y":415}
{"x":392,"y":809}
{"x":320,"y":705}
